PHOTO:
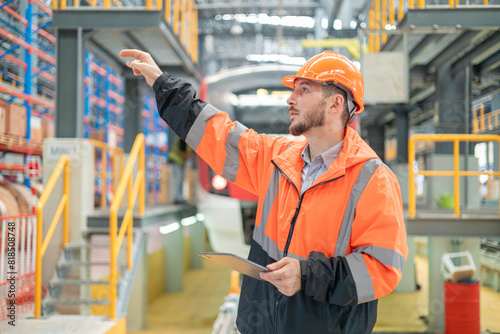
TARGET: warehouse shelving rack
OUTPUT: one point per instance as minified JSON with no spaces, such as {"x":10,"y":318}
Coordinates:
{"x":27,"y":59}
{"x":104,"y":99}
{"x":27,"y":92}
{"x":103,"y":115}
{"x":156,"y":133}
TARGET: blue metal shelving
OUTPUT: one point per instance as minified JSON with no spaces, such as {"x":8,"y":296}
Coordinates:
{"x":26,"y":64}
{"x":156,"y":133}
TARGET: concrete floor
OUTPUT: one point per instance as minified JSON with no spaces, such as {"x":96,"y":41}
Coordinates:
{"x":194,"y":310}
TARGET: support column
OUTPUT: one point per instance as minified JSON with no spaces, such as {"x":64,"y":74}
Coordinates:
{"x":402,"y":133}
{"x":451,"y":103}
{"x":69,"y":84}
{"x":319,"y":32}
{"x":376,"y":137}
{"x":132,"y":117}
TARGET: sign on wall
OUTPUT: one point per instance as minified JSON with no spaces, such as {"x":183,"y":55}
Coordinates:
{"x":386,"y":77}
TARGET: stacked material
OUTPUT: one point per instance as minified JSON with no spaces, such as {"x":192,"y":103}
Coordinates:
{"x":8,"y":203}
{"x":22,"y":195}
{"x":15,"y":199}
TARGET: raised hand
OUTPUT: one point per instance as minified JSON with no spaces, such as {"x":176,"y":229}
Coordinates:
{"x":142,"y":65}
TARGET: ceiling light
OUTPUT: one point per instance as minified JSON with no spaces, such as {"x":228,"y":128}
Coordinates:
{"x":324,"y":23}
{"x":166,"y":229}
{"x":337,"y":24}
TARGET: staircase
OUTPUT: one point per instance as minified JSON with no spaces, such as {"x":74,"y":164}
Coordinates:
{"x":74,"y":270}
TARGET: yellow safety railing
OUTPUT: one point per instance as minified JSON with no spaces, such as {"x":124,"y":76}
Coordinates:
{"x":134,"y":188}
{"x":482,"y":122}
{"x":63,"y":208}
{"x":181,"y":15}
{"x":382,"y":10}
{"x":456,"y":173}
{"x":115,"y":154}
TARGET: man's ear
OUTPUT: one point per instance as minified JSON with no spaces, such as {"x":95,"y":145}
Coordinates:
{"x":335,"y":103}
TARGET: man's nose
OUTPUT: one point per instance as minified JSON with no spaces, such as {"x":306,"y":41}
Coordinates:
{"x":291,"y":99}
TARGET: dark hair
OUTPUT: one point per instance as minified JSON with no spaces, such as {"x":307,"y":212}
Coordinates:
{"x":329,"y":90}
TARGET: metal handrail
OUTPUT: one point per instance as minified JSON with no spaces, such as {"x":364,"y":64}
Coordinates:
{"x":456,"y":173}
{"x":116,"y":154}
{"x":134,"y":188}
{"x":41,"y":246}
{"x":484,"y":121}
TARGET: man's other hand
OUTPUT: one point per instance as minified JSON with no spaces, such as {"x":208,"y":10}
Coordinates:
{"x":142,"y":65}
{"x":284,"y":275}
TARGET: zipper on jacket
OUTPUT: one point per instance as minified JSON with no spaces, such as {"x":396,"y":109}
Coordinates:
{"x":297,"y":209}
{"x":290,"y":233}
{"x":276,"y":315}
{"x":292,"y":226}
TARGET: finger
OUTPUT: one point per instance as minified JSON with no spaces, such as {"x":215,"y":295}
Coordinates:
{"x":273,"y":276}
{"x":266,"y":276}
{"x":278,"y":265}
{"x":131,"y":53}
{"x":135,"y":65}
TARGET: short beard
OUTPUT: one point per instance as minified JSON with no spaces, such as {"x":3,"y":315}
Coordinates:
{"x":312,"y":120}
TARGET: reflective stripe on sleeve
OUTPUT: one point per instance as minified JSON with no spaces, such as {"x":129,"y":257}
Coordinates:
{"x":361,"y":276}
{"x":197,"y":130}
{"x":364,"y":176}
{"x":386,"y":256}
{"x":232,"y":162}
{"x":268,"y":245}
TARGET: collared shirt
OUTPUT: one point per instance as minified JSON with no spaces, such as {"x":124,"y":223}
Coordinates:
{"x":314,"y":169}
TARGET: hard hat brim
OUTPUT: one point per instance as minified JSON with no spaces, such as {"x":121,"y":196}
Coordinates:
{"x":289,"y":81}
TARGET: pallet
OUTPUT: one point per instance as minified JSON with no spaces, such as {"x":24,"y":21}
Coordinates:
{"x":20,"y":142}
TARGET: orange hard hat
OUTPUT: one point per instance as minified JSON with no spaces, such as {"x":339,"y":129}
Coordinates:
{"x":330,"y":66}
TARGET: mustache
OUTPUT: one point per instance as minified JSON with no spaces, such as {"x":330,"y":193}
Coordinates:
{"x":292,"y":109}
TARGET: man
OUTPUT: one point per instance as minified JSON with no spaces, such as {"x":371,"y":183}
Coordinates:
{"x":178,"y":156}
{"x":329,"y":223}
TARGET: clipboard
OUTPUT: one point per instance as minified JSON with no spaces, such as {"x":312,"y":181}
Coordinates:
{"x":236,"y":262}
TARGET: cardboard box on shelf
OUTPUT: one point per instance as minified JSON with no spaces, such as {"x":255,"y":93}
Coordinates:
{"x":2,"y":119}
{"x":15,"y":120}
{"x":163,"y":193}
{"x":48,"y":129}
{"x":36,"y":128}
{"x":97,"y":135}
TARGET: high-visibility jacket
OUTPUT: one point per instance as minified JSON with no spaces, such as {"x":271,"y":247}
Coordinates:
{"x":347,"y":229}
{"x":178,"y":152}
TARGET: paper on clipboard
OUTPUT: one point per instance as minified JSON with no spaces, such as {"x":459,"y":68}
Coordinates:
{"x":236,"y":262}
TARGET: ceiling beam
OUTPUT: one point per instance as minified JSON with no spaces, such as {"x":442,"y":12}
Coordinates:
{"x":479,"y":53}
{"x":489,"y":64}
{"x":465,"y":17}
{"x":458,"y":45}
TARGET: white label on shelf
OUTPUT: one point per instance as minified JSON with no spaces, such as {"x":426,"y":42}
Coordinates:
{"x":112,"y":138}
{"x":56,"y":150}
{"x":36,"y":123}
